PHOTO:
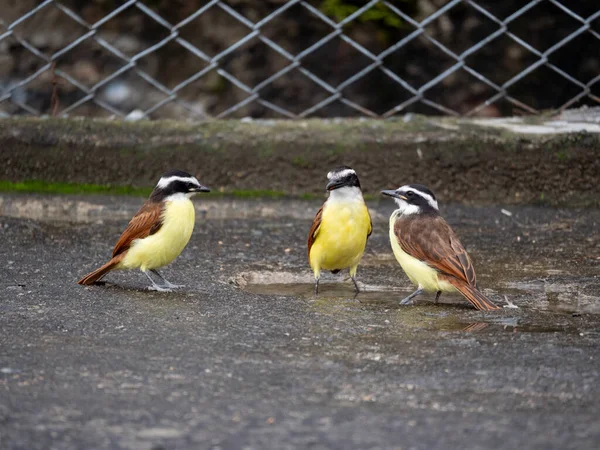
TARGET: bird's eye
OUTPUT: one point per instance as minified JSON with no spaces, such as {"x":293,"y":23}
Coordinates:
{"x":410,"y":193}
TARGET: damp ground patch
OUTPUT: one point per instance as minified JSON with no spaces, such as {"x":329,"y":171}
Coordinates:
{"x":561,"y":294}
{"x":451,"y":314}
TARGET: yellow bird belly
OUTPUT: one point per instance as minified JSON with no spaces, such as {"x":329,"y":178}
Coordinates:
{"x":168,"y":242}
{"x":342,"y":237}
{"x":417,"y":271}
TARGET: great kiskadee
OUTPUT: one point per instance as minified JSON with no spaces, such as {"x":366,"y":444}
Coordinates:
{"x":339,"y":233}
{"x":159,"y":231}
{"x":428,"y":250}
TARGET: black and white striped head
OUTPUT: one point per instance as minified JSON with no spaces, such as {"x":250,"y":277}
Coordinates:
{"x":176,"y":184}
{"x":414,"y":199}
{"x":342,"y":176}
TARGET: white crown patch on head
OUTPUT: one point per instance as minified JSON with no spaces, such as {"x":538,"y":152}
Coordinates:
{"x":341,"y":174}
{"x":164,"y":182}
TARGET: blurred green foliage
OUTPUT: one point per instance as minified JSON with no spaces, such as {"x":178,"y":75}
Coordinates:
{"x":46,"y":187}
{"x":340,"y":9}
{"x":40,"y":186}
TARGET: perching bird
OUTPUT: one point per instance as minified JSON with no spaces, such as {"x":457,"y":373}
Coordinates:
{"x":339,"y":233}
{"x":159,"y":231}
{"x":428,"y":250}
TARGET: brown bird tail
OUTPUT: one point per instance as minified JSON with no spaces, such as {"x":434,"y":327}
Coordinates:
{"x":471,"y":293}
{"x":94,"y":276}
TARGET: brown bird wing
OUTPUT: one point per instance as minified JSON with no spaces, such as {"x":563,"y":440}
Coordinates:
{"x":146,"y":222}
{"x":314,"y":229}
{"x":435,"y":243}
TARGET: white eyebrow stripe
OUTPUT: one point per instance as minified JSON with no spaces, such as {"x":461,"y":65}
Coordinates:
{"x":341,"y":174}
{"x":164,"y":182}
{"x":433,"y":203}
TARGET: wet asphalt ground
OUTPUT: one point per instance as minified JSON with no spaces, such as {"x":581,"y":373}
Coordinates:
{"x":245,"y":357}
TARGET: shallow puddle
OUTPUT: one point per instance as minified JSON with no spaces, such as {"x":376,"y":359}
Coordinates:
{"x":339,"y":299}
{"x":384,"y":296}
{"x":562,"y":295}
{"x":505,"y":324}
{"x":329,"y":290}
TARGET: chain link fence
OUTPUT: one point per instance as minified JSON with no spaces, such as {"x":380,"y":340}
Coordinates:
{"x":295,"y":58}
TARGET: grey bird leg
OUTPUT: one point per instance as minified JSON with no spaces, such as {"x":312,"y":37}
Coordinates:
{"x":166,"y":282}
{"x":408,"y":300}
{"x":355,"y":285}
{"x":155,"y":286}
{"x":437,"y":296}
{"x":316,"y":286}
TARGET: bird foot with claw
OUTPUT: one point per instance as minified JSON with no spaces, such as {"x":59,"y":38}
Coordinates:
{"x":159,"y":289}
{"x":407,"y":301}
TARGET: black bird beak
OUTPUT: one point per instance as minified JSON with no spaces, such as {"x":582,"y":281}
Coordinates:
{"x":200,"y":189}
{"x":334,"y":184}
{"x":391,"y":193}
